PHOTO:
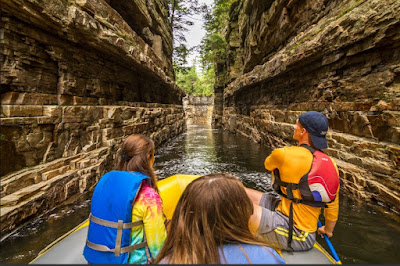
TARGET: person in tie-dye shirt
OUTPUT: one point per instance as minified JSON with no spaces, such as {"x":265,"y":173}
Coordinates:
{"x":137,"y":154}
{"x":147,"y":207}
{"x":127,"y":196}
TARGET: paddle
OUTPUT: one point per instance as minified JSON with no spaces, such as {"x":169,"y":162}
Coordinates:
{"x":328,"y":242}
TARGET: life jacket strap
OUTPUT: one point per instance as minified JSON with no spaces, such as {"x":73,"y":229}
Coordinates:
{"x":118,"y":239}
{"x":120,"y":225}
{"x":113,"y":224}
{"x":306,"y":202}
{"x":285,"y":184}
{"x":311,"y":149}
{"x":107,"y":249}
{"x":290,"y":236}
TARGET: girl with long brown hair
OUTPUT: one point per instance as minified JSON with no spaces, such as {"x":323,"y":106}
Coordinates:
{"x":211,"y":225}
{"x":126,"y":220}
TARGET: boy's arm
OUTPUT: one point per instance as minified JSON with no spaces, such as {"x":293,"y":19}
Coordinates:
{"x":331,"y":215}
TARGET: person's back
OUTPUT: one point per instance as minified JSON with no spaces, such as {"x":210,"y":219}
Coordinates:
{"x":249,"y":254}
{"x":293,"y":163}
{"x":245,"y":254}
{"x":210,"y":225}
{"x":126,"y":223}
{"x":307,"y":180}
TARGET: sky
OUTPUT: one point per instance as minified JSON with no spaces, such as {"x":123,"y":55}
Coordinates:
{"x":196,"y":33}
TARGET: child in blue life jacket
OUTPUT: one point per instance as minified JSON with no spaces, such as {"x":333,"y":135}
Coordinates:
{"x":210,"y":226}
{"x":126,"y":219}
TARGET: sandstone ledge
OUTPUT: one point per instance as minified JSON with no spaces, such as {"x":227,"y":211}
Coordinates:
{"x":79,"y":148}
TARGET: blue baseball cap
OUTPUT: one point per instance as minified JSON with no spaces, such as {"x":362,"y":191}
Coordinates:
{"x":316,"y":125}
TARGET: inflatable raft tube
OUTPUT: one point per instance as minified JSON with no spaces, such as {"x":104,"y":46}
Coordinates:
{"x":68,"y":248}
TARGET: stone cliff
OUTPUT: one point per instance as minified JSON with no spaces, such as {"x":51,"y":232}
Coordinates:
{"x":77,"y":77}
{"x":341,"y":58}
{"x":198,"y":109}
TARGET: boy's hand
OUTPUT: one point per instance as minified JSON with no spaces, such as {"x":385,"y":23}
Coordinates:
{"x":322,"y":230}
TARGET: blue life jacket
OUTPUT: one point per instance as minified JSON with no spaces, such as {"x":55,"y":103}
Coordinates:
{"x":111,"y":208}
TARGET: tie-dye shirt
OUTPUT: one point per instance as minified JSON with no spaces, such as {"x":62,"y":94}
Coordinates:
{"x":147,"y":207}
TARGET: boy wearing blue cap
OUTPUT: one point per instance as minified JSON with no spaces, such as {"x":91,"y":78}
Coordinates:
{"x":307,"y":180}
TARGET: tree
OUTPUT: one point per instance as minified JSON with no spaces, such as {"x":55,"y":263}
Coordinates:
{"x":180,"y":12}
{"x":213,"y":44}
{"x":187,"y":80}
{"x":191,"y":83}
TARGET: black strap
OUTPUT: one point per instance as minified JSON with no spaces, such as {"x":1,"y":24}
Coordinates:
{"x":312,"y":150}
{"x":290,"y":237}
{"x":284,"y":184}
{"x":289,"y":191}
{"x":306,"y":202}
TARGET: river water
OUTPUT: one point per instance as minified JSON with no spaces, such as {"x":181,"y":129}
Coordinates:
{"x":364,"y":233}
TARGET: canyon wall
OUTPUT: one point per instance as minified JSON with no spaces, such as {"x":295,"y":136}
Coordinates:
{"x":341,"y":58}
{"x":198,"y":109}
{"x":77,"y":77}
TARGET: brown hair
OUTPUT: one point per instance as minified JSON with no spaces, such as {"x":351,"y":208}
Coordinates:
{"x":134,"y":155}
{"x":213,"y":210}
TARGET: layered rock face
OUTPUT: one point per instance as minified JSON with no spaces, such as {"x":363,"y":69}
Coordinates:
{"x":77,"y":77}
{"x":341,"y":58}
{"x":198,"y":109}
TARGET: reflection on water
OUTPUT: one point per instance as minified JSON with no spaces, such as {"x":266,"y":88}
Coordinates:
{"x":203,"y":150}
{"x":362,"y":234}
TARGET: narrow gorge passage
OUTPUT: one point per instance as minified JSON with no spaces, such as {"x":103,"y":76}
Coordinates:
{"x":203,"y":150}
{"x":79,"y":76}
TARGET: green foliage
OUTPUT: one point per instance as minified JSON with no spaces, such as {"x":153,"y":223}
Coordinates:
{"x":213,"y":45}
{"x":179,"y":57}
{"x":191,"y":83}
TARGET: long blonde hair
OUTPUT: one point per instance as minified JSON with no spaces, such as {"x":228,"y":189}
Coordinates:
{"x":134,"y":155}
{"x":213,"y":210}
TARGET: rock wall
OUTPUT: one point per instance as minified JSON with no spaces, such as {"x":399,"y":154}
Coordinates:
{"x":198,"y":109}
{"x":77,"y":77}
{"x":341,"y":58}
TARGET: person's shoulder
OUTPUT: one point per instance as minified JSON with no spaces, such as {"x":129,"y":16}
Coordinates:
{"x":290,"y":148}
{"x":278,"y":151}
{"x":294,"y":148}
{"x":148,"y":190}
{"x":148,"y":195}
